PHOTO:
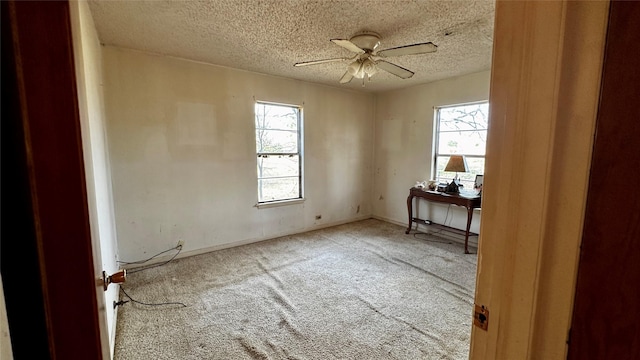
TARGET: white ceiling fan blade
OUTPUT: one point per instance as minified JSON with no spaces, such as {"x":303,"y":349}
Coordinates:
{"x":414,"y":49}
{"x":346,"y":78}
{"x":394,"y":69}
{"x":347,"y":45}
{"x":315,"y":62}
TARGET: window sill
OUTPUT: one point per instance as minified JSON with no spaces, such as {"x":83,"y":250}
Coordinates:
{"x":279,"y":203}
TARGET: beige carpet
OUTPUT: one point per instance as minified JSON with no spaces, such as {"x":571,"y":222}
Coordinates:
{"x":363,"y":290}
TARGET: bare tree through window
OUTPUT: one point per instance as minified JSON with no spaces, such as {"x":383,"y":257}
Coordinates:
{"x":278,"y":148}
{"x":461,"y":130}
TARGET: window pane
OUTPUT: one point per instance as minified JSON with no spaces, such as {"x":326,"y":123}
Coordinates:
{"x":278,"y":131}
{"x":462,"y":130}
{"x":463,"y":142}
{"x":276,"y":117}
{"x":441,"y":175}
{"x":276,"y":141}
{"x":476,"y":167}
{"x":278,"y":165}
{"x":466,"y":117}
{"x":278,"y":189}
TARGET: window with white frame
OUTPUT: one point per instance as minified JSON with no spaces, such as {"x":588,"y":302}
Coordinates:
{"x":461,"y":130}
{"x":279,"y":152}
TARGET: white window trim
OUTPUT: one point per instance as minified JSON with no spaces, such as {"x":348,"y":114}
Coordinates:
{"x":301,"y":199}
{"x":278,"y":203}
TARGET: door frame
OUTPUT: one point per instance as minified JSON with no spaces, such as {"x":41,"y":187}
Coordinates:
{"x":545,"y":86}
{"x":527,"y":253}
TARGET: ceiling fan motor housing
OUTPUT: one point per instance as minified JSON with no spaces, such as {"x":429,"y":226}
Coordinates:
{"x":367,"y":41}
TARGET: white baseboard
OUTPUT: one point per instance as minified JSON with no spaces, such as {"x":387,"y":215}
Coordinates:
{"x":184,"y":254}
{"x":473,"y":242}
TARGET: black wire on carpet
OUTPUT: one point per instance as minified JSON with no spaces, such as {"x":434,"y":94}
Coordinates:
{"x":122,"y":302}
{"x":143,"y":303}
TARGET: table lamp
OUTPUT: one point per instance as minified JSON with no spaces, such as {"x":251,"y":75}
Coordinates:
{"x":457,"y":163}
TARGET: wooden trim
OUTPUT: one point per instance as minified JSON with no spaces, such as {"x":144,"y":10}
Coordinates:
{"x":544,"y":90}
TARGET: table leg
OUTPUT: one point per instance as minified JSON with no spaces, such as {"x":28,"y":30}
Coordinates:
{"x":410,"y":211}
{"x":466,"y":234}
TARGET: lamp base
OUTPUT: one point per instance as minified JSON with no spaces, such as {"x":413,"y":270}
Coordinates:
{"x":453,"y":187}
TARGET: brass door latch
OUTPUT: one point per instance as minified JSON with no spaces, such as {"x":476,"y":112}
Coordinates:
{"x":481,"y":317}
{"x":116,"y":278}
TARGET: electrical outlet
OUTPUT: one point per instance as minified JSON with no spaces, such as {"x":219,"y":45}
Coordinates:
{"x":180,"y":243}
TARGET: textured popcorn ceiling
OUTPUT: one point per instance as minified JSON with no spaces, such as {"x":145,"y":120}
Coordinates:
{"x":269,"y":36}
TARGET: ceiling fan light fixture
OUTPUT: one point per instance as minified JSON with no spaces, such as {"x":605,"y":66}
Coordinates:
{"x":360,"y":68}
{"x":369,"y":67}
{"x":355,"y":69}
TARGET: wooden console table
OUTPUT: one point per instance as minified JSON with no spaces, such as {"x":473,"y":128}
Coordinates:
{"x":469,"y":202}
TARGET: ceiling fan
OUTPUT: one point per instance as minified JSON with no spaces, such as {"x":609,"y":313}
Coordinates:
{"x":369,"y":59}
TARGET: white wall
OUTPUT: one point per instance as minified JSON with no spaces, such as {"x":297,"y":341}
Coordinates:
{"x":88,"y":60}
{"x":404,"y":128}
{"x":182,"y":145}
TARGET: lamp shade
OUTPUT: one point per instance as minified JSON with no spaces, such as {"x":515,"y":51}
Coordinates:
{"x":457,"y":163}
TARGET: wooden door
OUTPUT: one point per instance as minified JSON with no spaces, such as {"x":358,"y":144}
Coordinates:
{"x":47,"y":265}
{"x":606,"y":316}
